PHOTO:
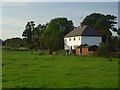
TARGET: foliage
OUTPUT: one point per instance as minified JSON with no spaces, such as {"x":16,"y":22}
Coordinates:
{"x":61,"y":52}
{"x":27,"y":33}
{"x":118,"y":32}
{"x":114,"y":54}
{"x":114,"y":44}
{"x":30,"y":70}
{"x":55,"y":32}
{"x":102,"y":23}
{"x":37,"y":34}
{"x":2,"y":43}
{"x":14,"y":43}
{"x":50,"y":36}
{"x":103,"y":49}
{"x":32,"y":34}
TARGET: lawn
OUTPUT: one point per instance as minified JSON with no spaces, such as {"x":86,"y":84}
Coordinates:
{"x":22,"y":69}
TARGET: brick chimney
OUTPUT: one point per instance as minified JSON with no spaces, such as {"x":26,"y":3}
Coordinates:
{"x":81,"y":24}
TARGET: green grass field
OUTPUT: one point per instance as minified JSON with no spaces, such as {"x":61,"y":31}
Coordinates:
{"x":24,"y":70}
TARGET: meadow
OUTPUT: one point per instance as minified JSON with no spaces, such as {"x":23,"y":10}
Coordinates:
{"x":21,"y":69}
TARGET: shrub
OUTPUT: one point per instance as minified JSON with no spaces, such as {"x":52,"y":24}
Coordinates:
{"x":114,"y":54}
{"x":61,"y":52}
{"x":103,"y":50}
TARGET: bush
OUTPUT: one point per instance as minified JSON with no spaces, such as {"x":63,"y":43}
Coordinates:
{"x":114,"y":54}
{"x":14,"y":49}
{"x":5,"y":48}
{"x":31,"y":46}
{"x":61,"y":52}
{"x":43,"y":52}
{"x":103,"y":50}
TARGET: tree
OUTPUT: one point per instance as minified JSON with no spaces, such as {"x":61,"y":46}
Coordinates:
{"x":14,"y":43}
{"x":54,"y":33}
{"x":32,"y":34}
{"x":28,"y":33}
{"x":42,"y":37}
{"x":102,"y":23}
{"x":114,"y":44}
{"x":2,"y":43}
{"x":118,"y":32}
{"x":37,"y":34}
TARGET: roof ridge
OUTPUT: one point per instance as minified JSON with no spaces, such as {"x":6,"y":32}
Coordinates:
{"x":84,"y":30}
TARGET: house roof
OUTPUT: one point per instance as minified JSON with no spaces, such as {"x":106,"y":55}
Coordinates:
{"x":83,"y":31}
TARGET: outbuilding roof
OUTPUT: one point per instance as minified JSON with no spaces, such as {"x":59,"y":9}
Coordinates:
{"x":86,"y":46}
{"x":83,"y":31}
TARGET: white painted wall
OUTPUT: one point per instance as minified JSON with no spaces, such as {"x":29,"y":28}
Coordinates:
{"x":90,"y":40}
{"x":72,"y":43}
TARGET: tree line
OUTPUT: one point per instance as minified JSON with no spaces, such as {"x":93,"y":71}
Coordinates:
{"x":50,"y":36}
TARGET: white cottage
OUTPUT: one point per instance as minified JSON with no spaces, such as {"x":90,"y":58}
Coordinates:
{"x":81,"y":35}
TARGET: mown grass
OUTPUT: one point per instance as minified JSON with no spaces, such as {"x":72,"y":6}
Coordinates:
{"x":24,"y":70}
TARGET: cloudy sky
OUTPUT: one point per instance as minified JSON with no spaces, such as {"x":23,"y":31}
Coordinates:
{"x":15,"y":15}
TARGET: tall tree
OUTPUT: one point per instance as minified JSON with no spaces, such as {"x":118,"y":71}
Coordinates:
{"x":54,"y":33}
{"x":28,"y":32}
{"x":32,"y":34}
{"x":41,"y":36}
{"x":102,"y":23}
{"x":37,"y":34}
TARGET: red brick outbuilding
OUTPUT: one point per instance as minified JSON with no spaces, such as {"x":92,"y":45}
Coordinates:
{"x":85,"y":49}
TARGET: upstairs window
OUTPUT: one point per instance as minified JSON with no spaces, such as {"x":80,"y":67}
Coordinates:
{"x":74,"y":39}
{"x":70,"y":39}
{"x":65,"y":40}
